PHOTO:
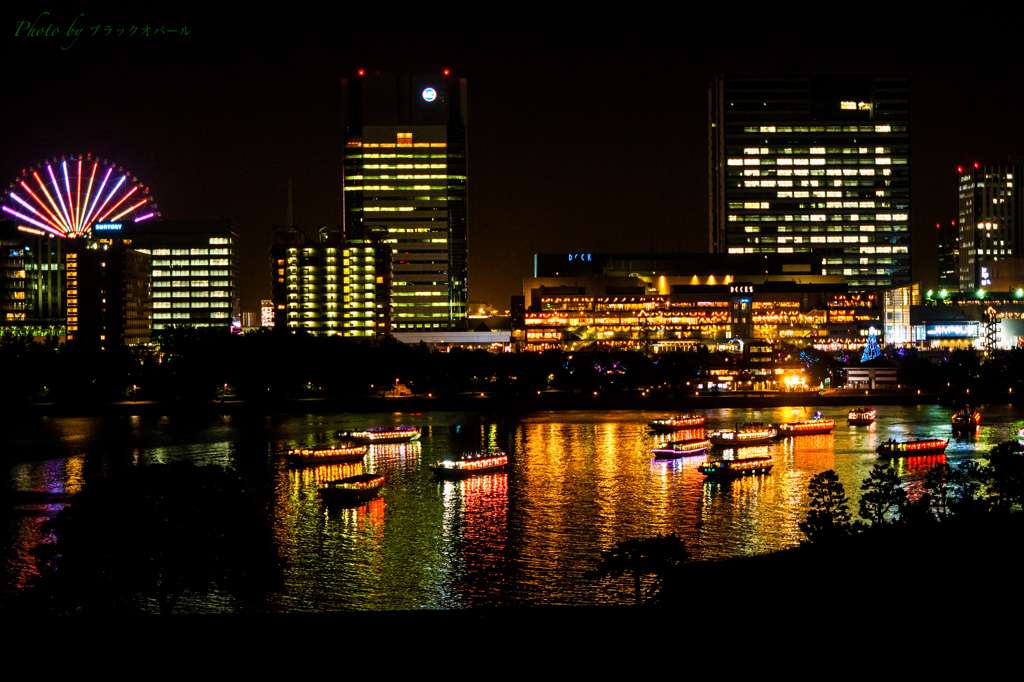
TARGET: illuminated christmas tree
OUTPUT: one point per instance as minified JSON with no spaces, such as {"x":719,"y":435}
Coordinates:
{"x":871,"y":350}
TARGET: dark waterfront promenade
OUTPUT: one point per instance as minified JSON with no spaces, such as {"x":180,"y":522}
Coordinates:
{"x":496,"y":403}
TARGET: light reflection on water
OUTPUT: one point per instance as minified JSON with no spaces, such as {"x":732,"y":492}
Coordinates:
{"x":577,"y":483}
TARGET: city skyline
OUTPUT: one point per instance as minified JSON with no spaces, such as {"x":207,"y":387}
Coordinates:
{"x":595,"y":142}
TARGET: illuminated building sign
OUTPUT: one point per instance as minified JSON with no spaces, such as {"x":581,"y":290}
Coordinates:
{"x":580,"y":257}
{"x":986,"y":279}
{"x":951,"y":331}
{"x":106,"y":226}
{"x":429,"y":94}
{"x":742,"y":289}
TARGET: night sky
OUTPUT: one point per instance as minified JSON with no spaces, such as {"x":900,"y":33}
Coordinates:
{"x":587,"y":128}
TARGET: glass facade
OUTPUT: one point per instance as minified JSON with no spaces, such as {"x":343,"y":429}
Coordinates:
{"x":405,"y":187}
{"x":814,"y":164}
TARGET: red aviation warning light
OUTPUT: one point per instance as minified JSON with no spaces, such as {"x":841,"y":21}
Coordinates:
{"x":975,"y":164}
{"x":362,"y":72}
{"x":447,"y":72}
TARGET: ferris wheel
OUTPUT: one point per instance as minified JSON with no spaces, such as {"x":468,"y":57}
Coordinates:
{"x":67,"y":198}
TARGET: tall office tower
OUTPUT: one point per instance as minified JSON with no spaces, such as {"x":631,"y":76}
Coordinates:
{"x":194,"y":268}
{"x":108,"y":293}
{"x":813,"y":163}
{"x":991,"y":217}
{"x":405,"y":186}
{"x":949,"y":256}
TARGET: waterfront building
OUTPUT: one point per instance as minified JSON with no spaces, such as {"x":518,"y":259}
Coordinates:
{"x":33,"y":281}
{"x":405,"y":186}
{"x":896,"y":303}
{"x":108,"y":293}
{"x":575,"y":313}
{"x":991,"y":220}
{"x":329,"y":284}
{"x":194,"y":269}
{"x":815,"y":164}
{"x":982,"y":320}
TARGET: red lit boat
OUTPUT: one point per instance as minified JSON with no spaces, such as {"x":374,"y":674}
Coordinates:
{"x":861,"y":416}
{"x":734,"y":468}
{"x":353,"y":490}
{"x":753,"y":433}
{"x":682,"y":448}
{"x":470,"y":464}
{"x":810,"y":427}
{"x":333,"y":455}
{"x":676,"y":423}
{"x":966,"y":419}
{"x":895,"y":448}
{"x":378,"y":435}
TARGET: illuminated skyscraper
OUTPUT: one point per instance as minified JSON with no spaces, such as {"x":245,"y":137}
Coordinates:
{"x":991,"y":218}
{"x":815,"y":164}
{"x":405,"y":187}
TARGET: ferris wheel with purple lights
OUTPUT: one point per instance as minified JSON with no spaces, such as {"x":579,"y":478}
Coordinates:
{"x":67,"y":198}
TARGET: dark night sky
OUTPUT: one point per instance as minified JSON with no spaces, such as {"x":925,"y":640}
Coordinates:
{"x":588,"y":129}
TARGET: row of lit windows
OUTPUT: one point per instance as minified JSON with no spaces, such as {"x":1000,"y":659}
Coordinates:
{"x":816,"y":150}
{"x":192,"y":304}
{"x":882,"y":128}
{"x":194,"y":252}
{"x":878,"y":161}
{"x":816,"y":217}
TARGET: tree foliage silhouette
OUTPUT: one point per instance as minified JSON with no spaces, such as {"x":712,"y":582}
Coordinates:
{"x":829,"y":517}
{"x":883,"y":496}
{"x":154,"y":532}
{"x":639,"y":557}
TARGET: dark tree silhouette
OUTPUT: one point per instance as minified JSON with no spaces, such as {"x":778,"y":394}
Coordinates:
{"x":154,"y":532}
{"x":829,"y":517}
{"x":882,"y":496}
{"x":640,"y":557}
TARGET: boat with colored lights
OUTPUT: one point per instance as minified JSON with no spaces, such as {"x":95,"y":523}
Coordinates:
{"x":734,"y":468}
{"x":378,"y":435}
{"x":353,"y":490}
{"x":809,"y":427}
{"x":331,"y":455}
{"x":682,"y":448}
{"x":676,"y":423}
{"x":895,"y":448}
{"x":752,"y":433}
{"x":966,"y":419}
{"x":470,"y":464}
{"x":861,"y":416}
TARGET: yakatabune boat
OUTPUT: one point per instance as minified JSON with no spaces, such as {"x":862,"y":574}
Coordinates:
{"x":332,"y":455}
{"x":895,"y":448}
{"x":809,"y":427}
{"x":352,"y":490}
{"x":682,"y":448}
{"x":470,"y":464}
{"x":676,"y":423}
{"x":861,"y":416}
{"x":966,"y":419}
{"x":384,"y":434}
{"x":734,"y":468}
{"x":753,"y":433}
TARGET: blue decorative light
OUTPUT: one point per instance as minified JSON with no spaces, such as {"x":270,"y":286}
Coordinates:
{"x":429,"y":94}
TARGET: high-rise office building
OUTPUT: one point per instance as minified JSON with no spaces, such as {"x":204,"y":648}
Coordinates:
{"x":991,"y":218}
{"x":194,"y":269}
{"x":817,"y":164}
{"x":949,"y":256}
{"x":405,"y":181}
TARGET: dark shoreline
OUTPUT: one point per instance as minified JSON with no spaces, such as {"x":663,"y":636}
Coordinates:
{"x":507,"y":404}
